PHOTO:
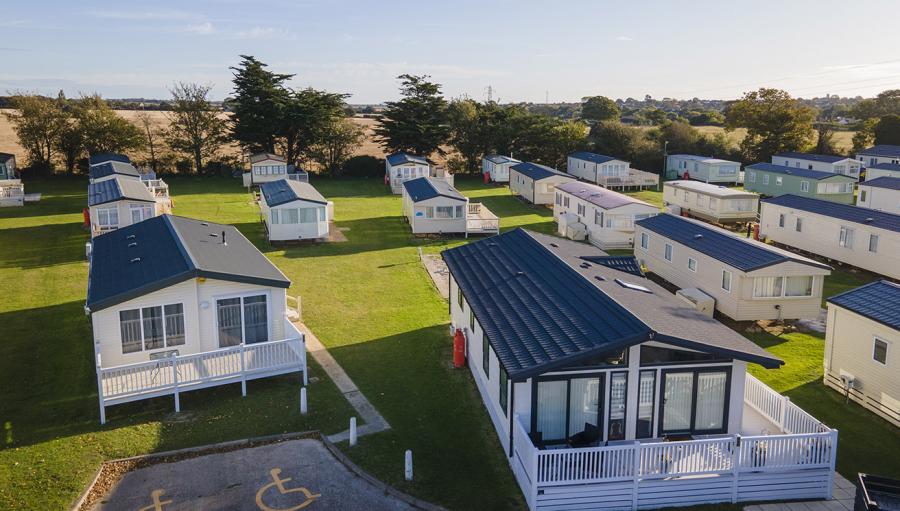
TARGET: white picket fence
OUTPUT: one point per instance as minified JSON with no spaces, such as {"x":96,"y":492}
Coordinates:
{"x":176,"y":374}
{"x":654,"y":474}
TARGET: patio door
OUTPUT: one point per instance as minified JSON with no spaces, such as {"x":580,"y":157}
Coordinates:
{"x":694,"y":401}
{"x":678,"y":402}
{"x":242,"y":319}
{"x":568,"y":410}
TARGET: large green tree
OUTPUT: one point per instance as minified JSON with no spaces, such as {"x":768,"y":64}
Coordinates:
{"x":195,"y":128}
{"x":37,"y":122}
{"x":599,"y":108}
{"x":307,"y":118}
{"x":257,"y":105}
{"x":104,"y":130}
{"x":885,"y":103}
{"x":418,"y":123}
{"x":887,"y":131}
{"x":775,"y":123}
{"x":335,"y":145}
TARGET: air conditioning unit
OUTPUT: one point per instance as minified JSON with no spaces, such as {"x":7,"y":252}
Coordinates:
{"x":698,"y":300}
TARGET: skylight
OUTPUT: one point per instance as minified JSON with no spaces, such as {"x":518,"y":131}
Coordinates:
{"x":635,"y":287}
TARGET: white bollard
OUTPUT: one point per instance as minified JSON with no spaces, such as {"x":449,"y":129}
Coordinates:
{"x":304,"y":407}
{"x":352,"y":431}
{"x":408,"y":472}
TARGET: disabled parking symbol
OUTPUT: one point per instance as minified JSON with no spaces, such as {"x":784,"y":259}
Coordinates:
{"x":278,"y":483}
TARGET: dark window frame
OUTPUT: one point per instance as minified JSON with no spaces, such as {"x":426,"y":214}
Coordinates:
{"x":504,"y":391}
{"x":486,"y":356}
{"x":568,"y":377}
{"x":696,"y":373}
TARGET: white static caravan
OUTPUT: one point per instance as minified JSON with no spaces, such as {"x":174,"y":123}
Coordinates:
{"x":822,"y":162}
{"x":402,"y":167}
{"x":118,"y":201}
{"x":267,"y":167}
{"x":608,"y":216}
{"x":605,"y":401}
{"x":749,"y":280}
{"x":433,"y":206}
{"x":294,"y":210}
{"x":496,"y":167}
{"x":536,"y":183}
{"x":881,"y":193}
{"x":714,"y":203}
{"x":704,"y":169}
{"x":865,"y":238}
{"x":596,"y":168}
{"x":12,"y":192}
{"x":862,"y":359}
{"x":878,"y":154}
{"x":883,"y":169}
{"x":178,"y":304}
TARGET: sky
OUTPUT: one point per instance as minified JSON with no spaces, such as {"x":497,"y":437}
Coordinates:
{"x":524,"y":50}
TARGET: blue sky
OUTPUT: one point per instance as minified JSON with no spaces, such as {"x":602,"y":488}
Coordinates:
{"x":523,"y":49}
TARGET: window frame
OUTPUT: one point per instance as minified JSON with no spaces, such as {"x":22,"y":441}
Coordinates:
{"x":887,"y":346}
{"x":645,"y":241}
{"x":873,"y":247}
{"x":689,"y":260}
{"x":165,"y":333}
{"x":503,"y":397}
{"x":669,"y":252}
{"x":486,"y":356}
{"x":249,"y":294}
{"x":730,"y":281}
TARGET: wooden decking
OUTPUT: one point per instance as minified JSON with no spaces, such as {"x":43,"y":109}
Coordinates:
{"x":480,"y":220}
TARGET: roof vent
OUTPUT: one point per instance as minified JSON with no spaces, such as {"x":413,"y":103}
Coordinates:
{"x":634,"y":287}
{"x":870,"y":220}
{"x":214,"y":235}
{"x":598,"y":277}
{"x":132,"y":244}
{"x":520,"y":274}
{"x":129,"y":237}
{"x":554,"y":245}
{"x":136,"y":260}
{"x":698,"y":236}
{"x":204,"y":223}
{"x":585,"y":265}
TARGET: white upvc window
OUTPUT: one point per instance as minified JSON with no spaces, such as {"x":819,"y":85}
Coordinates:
{"x":781,"y":220}
{"x":726,"y":281}
{"x":242,"y":319}
{"x":751,"y":176}
{"x":873,"y":243}
{"x":443,"y":212}
{"x":880,"y":350}
{"x":713,"y":203}
{"x":645,"y":241}
{"x":765,"y":179}
{"x":778,"y":287}
{"x":141,"y":212}
{"x":598,"y":217}
{"x":108,"y":218}
{"x":692,"y":264}
{"x":798,"y":226}
{"x":846,"y":237}
{"x":779,"y":180}
{"x":150,"y":328}
{"x":804,"y":186}
{"x":862,"y":195}
{"x":667,"y":254}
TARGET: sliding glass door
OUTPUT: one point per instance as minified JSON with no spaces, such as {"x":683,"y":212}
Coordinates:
{"x":568,"y":410}
{"x":678,"y":395}
{"x":242,"y":319}
{"x":694,"y":401}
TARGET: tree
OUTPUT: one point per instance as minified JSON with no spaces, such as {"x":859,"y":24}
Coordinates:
{"x":865,"y":136}
{"x":825,"y":139}
{"x":470,"y":130}
{"x":308,"y":118}
{"x":37,"y":121}
{"x":257,"y":105}
{"x":195,"y":128}
{"x":885,"y":103}
{"x":775,"y":123}
{"x":615,"y":139}
{"x":600,"y":108}
{"x":418,"y":122}
{"x":151,"y":135}
{"x":104,"y":130}
{"x":338,"y":140}
{"x":887,"y":131}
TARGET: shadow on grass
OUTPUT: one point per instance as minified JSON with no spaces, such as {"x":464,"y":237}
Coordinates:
{"x":42,"y":245}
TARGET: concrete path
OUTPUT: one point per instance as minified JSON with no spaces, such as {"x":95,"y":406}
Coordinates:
{"x":437,"y":270}
{"x":818,"y":324}
{"x":844,"y":493}
{"x":276,"y":477}
{"x":373,"y":422}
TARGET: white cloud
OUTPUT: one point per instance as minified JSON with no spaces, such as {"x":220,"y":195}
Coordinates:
{"x":204,"y":28}
{"x":624,"y":38}
{"x":265,"y":33}
{"x":161,"y":14}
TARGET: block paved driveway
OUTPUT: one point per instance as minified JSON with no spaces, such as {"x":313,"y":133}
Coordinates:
{"x":286,"y":476}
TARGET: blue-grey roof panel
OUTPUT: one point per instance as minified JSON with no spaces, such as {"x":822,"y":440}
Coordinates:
{"x":116,"y":189}
{"x":276,"y":193}
{"x":887,"y":166}
{"x":537,"y":171}
{"x":499,"y":158}
{"x":401,"y":158}
{"x":824,"y":158}
{"x":97,"y":159}
{"x":627,"y":264}
{"x":424,"y":188}
{"x":879,"y":301}
{"x":110,"y":168}
{"x":856,"y":214}
{"x":889,"y":182}
{"x":592,"y":157}
{"x":883,"y":150}
{"x":739,"y":253}
{"x":818,"y":175}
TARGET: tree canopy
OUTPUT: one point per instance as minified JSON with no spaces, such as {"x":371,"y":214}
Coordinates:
{"x":257,"y":103}
{"x":887,"y":131}
{"x":600,"y":108}
{"x":418,"y":122}
{"x":775,"y":123}
{"x":195,"y":128}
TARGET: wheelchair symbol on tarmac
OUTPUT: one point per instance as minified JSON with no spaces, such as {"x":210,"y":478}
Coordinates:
{"x":278,"y":483}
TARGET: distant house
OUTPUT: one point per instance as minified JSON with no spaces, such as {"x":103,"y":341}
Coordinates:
{"x":862,"y":347}
{"x":882,"y":193}
{"x":267,"y":167}
{"x":585,"y":368}
{"x":606,"y":216}
{"x":776,"y":180}
{"x":710,"y":202}
{"x":496,"y":167}
{"x":433,"y":206}
{"x":701,"y":168}
{"x":877,"y":154}
{"x":536,"y":183}
{"x":402,"y":167}
{"x":861,"y":237}
{"x":608,"y":171}
{"x":12,"y":192}
{"x":749,"y":280}
{"x":294,"y":210}
{"x":178,"y":304}
{"x":119,"y":201}
{"x":883,"y":169}
{"x":112,"y":168}
{"x":823,"y":162}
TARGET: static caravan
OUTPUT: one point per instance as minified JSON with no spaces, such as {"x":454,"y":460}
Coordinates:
{"x":883,"y":153}
{"x":882,"y":193}
{"x":433,"y":206}
{"x":775,"y":180}
{"x":12,"y":192}
{"x":120,"y":201}
{"x":614,"y":373}
{"x":97,"y":159}
{"x":701,"y":168}
{"x":536,"y":183}
{"x":496,"y":167}
{"x":710,"y":202}
{"x":862,"y":347}
{"x":607,"y":216}
{"x":749,"y":280}
{"x":178,"y":304}
{"x":401,"y":167}
{"x":823,"y":162}
{"x":267,"y":167}
{"x":865,"y":238}
{"x":294,"y":210}
{"x":112,"y":169}
{"x":596,"y":168}
{"x":883,"y":169}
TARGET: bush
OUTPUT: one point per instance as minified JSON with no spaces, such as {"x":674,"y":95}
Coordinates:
{"x":363,"y":166}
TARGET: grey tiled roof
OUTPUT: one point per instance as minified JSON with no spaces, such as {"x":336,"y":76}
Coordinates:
{"x":276,"y":193}
{"x":879,"y":301}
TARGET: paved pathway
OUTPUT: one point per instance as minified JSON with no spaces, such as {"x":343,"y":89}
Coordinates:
{"x":373,"y":422}
{"x":843,"y":494}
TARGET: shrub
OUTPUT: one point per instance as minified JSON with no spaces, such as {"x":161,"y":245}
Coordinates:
{"x":364,"y":166}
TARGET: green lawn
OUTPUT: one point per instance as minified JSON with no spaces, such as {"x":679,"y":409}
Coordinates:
{"x":368,"y":299}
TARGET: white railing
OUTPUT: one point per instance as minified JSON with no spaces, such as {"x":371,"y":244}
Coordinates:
{"x":12,"y":190}
{"x":788,"y":451}
{"x":294,"y":307}
{"x":157,"y":187}
{"x":790,"y":418}
{"x":634,"y":177}
{"x":481,"y":219}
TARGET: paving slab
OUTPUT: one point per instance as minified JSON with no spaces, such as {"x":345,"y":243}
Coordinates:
{"x":285,"y":476}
